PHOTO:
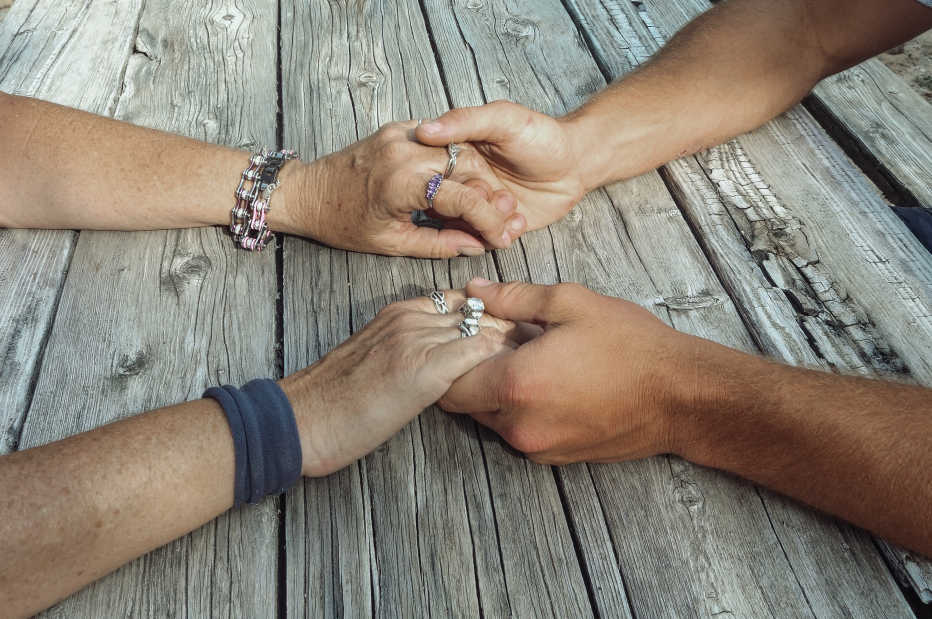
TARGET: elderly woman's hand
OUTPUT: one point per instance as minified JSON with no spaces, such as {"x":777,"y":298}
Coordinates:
{"x":362,"y":198}
{"x":369,"y":387}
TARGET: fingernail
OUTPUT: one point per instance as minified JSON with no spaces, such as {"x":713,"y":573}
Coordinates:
{"x":516,"y":224}
{"x":505,"y":204}
{"x":431,"y":127}
{"x":506,"y":238}
{"x":471,"y":251}
{"x":481,"y":282}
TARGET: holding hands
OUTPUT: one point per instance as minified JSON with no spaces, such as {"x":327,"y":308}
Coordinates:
{"x":363,"y":198}
{"x":533,"y":156}
{"x":515,"y":170}
{"x":369,"y":387}
{"x":603,"y":381}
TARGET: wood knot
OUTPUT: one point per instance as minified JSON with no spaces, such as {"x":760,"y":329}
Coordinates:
{"x":369,"y":79}
{"x":475,"y":5}
{"x":226,"y":18}
{"x":131,"y":364}
{"x":186,"y":269}
{"x":690,"y":302}
{"x":520,"y":28}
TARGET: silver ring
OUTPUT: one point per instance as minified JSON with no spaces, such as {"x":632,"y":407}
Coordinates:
{"x":469,"y":328}
{"x":433,"y":186}
{"x":472,"y":310}
{"x":440,"y":302}
{"x":452,"y":150}
{"x":473,"y":307}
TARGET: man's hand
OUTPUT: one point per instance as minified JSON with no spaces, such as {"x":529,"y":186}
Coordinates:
{"x":362,"y":199}
{"x":601,"y":383}
{"x":607,"y":381}
{"x":531,"y":155}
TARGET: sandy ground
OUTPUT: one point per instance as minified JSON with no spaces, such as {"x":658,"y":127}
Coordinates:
{"x":912,"y":61}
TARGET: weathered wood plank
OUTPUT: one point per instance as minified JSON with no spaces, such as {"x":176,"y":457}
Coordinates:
{"x":73,"y":54}
{"x":437,"y":524}
{"x":396,"y":533}
{"x":889,"y":119}
{"x":147,"y":319}
{"x":789,"y":303}
{"x":503,"y":39}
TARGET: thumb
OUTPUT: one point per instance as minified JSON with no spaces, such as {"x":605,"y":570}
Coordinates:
{"x":523,"y":302}
{"x":495,"y":122}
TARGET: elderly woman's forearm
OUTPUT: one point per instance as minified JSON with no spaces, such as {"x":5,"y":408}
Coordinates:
{"x":67,"y":169}
{"x":77,"y":509}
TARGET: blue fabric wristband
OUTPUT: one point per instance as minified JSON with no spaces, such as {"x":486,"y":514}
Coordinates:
{"x":265,"y":438}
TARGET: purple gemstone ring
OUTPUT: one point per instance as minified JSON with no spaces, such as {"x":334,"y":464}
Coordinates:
{"x":433,"y":186}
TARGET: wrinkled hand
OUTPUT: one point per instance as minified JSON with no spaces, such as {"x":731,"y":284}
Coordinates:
{"x":362,"y":199}
{"x":369,"y":387}
{"x":532,"y":155}
{"x":601,"y":383}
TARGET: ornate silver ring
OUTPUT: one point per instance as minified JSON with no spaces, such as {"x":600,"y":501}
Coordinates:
{"x":472,"y":310}
{"x":440,"y":302}
{"x":469,"y":327}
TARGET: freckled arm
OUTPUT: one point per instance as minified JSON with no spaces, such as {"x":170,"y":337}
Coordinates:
{"x":67,"y":169}
{"x":76,"y":509}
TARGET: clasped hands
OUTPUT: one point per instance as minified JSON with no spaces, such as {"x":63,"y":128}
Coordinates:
{"x":516,"y":171}
{"x":562,"y":373}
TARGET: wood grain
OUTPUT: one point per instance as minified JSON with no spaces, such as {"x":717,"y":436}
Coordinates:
{"x":149,"y":319}
{"x":888,"y":119}
{"x":72,"y":54}
{"x":766,"y":256}
{"x":610,"y":243}
{"x":458,"y":526}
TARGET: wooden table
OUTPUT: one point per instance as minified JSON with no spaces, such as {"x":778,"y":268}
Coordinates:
{"x":775,"y":242}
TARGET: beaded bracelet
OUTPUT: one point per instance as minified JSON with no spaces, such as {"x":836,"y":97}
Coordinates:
{"x":248,"y":217}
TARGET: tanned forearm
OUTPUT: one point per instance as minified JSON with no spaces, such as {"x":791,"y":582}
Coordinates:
{"x":729,"y":71}
{"x":67,"y":169}
{"x":76,"y":509}
{"x":855,"y":448}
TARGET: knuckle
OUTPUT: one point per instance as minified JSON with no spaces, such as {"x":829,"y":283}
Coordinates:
{"x":466,"y":202}
{"x":387,"y":312}
{"x":485,"y":344}
{"x":406,"y":320}
{"x":396,"y":149}
{"x":523,"y":437}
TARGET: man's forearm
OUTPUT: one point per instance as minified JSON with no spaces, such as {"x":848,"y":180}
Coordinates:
{"x":76,"y":509}
{"x":727,"y":72}
{"x":852,"y":447}
{"x":64,"y":168}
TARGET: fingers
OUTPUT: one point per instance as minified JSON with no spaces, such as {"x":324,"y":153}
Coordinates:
{"x":423,"y":242}
{"x":496,"y":122}
{"x":523,"y":302}
{"x":456,"y":358}
{"x":516,"y":334}
{"x":458,"y":201}
{"x":478,"y":390}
